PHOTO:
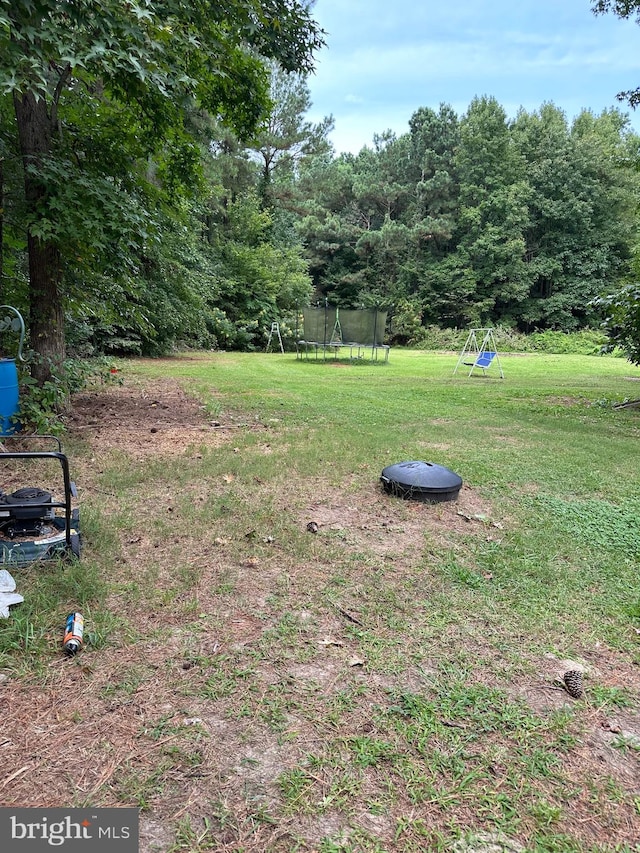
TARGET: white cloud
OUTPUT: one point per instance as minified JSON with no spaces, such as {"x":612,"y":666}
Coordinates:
{"x":384,"y":61}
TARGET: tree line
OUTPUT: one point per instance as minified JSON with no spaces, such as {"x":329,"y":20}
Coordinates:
{"x":477,"y":219}
{"x":161,"y":186}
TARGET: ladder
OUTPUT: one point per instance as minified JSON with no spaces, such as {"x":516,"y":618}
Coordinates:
{"x":275,"y":330}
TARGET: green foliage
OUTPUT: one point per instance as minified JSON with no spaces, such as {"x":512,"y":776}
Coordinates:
{"x":478,"y":221}
{"x":623,"y":9}
{"x":259,"y":280}
{"x":103,"y":95}
{"x":167,"y":230}
{"x":585,"y":342}
{"x":287,"y":139}
{"x":622,"y":320}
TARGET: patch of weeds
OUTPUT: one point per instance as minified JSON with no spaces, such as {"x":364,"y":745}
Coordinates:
{"x":358,"y":841}
{"x":287,"y":640}
{"x":36,"y":625}
{"x":540,"y":762}
{"x":594,"y":522}
{"x":386,"y":654}
{"x":343,"y":702}
{"x":164,"y":727}
{"x":340,"y":580}
{"x":460,"y":574}
{"x":138,"y":787}
{"x":614,"y":790}
{"x":102,"y":625}
{"x":222,"y":829}
{"x":261,"y":815}
{"x":502,"y":809}
{"x":298,"y":791}
{"x":181,"y":758}
{"x":453,"y":743}
{"x":335,"y":845}
{"x":610,"y":697}
{"x":369,"y":751}
{"x":274,"y":705}
{"x":225,"y":584}
{"x":627,"y":742}
{"x":188,"y":574}
{"x":544,"y":842}
{"x":130,"y":681}
{"x":545,"y":813}
{"x":418,"y":783}
{"x":193,"y":839}
{"x":225,"y":680}
{"x":20,"y":634}
{"x":416,"y":835}
{"x":343,"y":788}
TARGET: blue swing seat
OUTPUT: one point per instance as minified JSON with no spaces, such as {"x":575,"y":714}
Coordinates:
{"x":483,"y":360}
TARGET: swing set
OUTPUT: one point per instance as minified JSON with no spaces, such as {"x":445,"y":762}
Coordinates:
{"x":480,"y":356}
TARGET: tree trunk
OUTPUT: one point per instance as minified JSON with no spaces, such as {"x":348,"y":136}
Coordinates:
{"x":45,"y":269}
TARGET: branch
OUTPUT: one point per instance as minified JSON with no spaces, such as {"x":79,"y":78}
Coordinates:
{"x":63,"y":79}
{"x":621,"y":8}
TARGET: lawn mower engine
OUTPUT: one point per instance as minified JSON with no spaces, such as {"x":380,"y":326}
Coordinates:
{"x":26,"y":512}
{"x":35,"y":525}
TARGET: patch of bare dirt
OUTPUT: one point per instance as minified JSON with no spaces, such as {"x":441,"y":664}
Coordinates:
{"x":389,"y":526}
{"x":157,"y":418}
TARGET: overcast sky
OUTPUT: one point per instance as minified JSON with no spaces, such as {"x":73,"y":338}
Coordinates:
{"x":386,"y":58}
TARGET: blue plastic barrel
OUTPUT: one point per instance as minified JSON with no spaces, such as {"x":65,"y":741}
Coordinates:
{"x":8,"y":395}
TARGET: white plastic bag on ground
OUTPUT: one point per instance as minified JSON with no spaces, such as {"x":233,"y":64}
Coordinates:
{"x":7,"y":594}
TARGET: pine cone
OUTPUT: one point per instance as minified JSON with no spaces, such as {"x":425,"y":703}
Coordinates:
{"x":573,"y":682}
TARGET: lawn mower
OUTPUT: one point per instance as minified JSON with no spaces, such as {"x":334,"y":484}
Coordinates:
{"x":34,"y":526}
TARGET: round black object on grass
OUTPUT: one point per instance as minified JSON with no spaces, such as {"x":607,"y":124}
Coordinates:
{"x":421,"y":481}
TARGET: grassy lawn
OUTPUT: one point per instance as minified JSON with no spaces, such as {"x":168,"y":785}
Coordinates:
{"x":391,"y":682}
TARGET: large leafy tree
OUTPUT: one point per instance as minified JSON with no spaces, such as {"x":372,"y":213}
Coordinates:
{"x":489,"y":266}
{"x":435,"y":138}
{"x":582,"y":211}
{"x":134,"y":70}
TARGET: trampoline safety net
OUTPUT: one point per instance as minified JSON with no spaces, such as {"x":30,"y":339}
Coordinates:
{"x":334,"y":328}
